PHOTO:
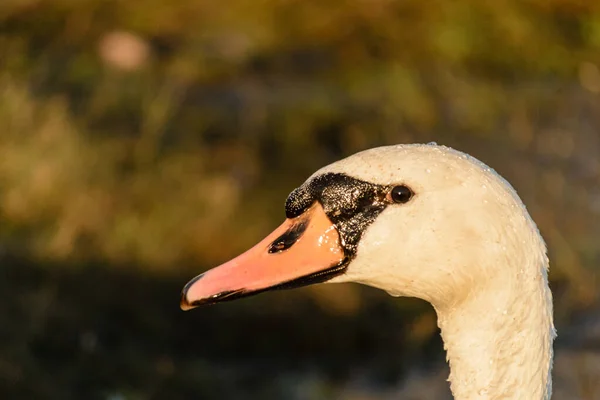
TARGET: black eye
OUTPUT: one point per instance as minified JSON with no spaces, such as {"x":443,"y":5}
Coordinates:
{"x":400,"y":194}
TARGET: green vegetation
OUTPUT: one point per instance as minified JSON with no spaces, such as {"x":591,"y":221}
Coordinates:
{"x":165,"y":136}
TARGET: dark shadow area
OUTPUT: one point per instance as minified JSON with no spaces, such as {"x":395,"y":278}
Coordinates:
{"x":89,"y":332}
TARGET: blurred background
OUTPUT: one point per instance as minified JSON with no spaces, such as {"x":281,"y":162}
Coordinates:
{"x":142,"y":142}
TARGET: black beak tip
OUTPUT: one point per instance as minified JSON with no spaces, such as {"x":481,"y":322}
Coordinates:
{"x":184,"y":303}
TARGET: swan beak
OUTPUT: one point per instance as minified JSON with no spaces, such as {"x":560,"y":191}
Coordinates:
{"x":302,"y":251}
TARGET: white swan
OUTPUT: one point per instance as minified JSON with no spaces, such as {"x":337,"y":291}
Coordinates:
{"x":424,"y":221}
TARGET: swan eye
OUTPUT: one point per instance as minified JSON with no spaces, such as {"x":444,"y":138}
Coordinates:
{"x":400,"y":194}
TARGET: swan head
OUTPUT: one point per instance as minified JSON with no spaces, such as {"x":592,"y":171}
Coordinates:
{"x":423,"y":221}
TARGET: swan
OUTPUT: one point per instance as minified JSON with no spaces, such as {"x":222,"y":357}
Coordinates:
{"x":426,"y":221}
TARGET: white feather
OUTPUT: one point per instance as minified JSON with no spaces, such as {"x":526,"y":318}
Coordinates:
{"x":466,"y":244}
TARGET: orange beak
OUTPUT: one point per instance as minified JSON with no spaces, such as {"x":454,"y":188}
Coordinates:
{"x":302,"y":251}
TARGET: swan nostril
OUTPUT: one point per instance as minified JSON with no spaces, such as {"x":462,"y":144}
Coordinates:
{"x":290,"y":237}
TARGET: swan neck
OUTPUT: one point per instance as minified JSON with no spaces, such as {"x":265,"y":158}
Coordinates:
{"x":499,"y":340}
